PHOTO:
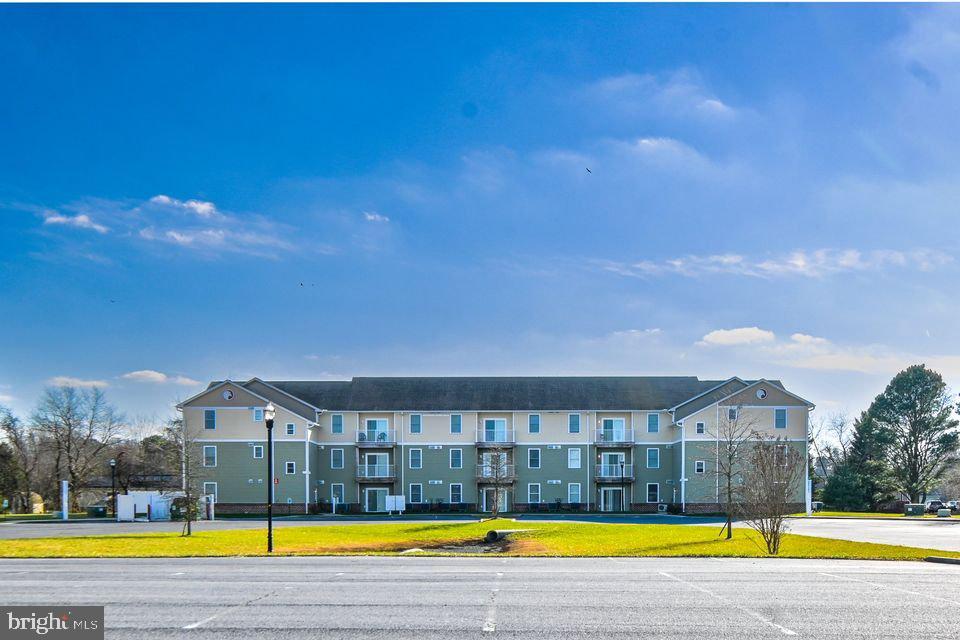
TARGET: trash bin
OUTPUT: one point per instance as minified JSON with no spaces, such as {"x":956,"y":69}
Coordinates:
{"x":914,"y":509}
{"x":97,"y":511}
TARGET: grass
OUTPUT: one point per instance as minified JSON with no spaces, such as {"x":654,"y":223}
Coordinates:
{"x":539,"y":539}
{"x":33,"y":517}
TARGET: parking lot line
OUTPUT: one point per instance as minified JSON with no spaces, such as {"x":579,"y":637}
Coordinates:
{"x":884,"y":586}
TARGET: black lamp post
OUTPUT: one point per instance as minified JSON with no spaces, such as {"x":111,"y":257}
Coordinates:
{"x":113,"y":484}
{"x":268,"y":414}
{"x":623,"y":488}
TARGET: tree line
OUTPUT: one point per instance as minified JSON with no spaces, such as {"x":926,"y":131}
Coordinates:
{"x":904,"y":444}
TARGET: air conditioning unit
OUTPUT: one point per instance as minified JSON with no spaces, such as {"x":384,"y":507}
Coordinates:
{"x":435,"y":446}
{"x":662,"y":508}
{"x":553,"y":446}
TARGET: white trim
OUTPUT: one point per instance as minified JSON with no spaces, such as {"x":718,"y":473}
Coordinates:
{"x":648,"y":500}
{"x":214,"y":388}
{"x":287,"y":429}
{"x":700,"y":395}
{"x":419,"y":424}
{"x":343,"y":491}
{"x":332,"y":432}
{"x":450,"y":492}
{"x":785,"y":416}
{"x":410,"y":458}
{"x":579,"y":492}
{"x":459,"y":415}
{"x":697,"y":428}
{"x":779,"y":388}
{"x":343,"y":460}
{"x":289,"y":395}
{"x":647,"y":457}
{"x":579,"y":457}
{"x":530,"y":485}
{"x":216,"y":491}
{"x":699,"y":466}
{"x":539,"y":424}
{"x":539,"y":458}
{"x":579,"y":423}
{"x":255,"y":410}
{"x":255,"y":456}
{"x":450,"y":457}
{"x":286,"y":467}
{"x":410,"y":491}
{"x":214,"y":411}
{"x":657,"y":415}
{"x":209,"y":446}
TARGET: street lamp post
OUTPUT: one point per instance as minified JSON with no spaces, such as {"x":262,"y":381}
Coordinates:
{"x":269,"y":412}
{"x":113,"y":484}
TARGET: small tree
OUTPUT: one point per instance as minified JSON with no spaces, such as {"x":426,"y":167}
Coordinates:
{"x":771,"y":477}
{"x":185,"y":454}
{"x":498,"y":474}
{"x":733,"y":433}
{"x":25,"y":447}
{"x":916,"y":409}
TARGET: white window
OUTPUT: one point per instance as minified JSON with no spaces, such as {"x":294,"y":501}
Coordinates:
{"x":210,"y":456}
{"x":258,"y":415}
{"x":780,"y":418}
{"x":731,"y":413}
{"x":291,"y":429}
{"x":210,"y":489}
{"x":209,"y":418}
{"x":573,"y":423}
{"x":573,"y":458}
{"x":573,"y":493}
{"x":533,"y":423}
{"x":336,"y":421}
{"x":653,"y":423}
{"x":533,"y":493}
{"x":456,"y":458}
{"x":699,"y":466}
{"x":416,"y":493}
{"x":416,"y":423}
{"x":701,"y":428}
{"x":416,"y":458}
{"x":653,"y":458}
{"x":456,"y":493}
{"x":291,"y":467}
{"x":533,"y":458}
{"x":336,"y":458}
{"x":456,"y":423}
{"x":653,"y":492}
{"x":258,"y":451}
{"x":336,"y":492}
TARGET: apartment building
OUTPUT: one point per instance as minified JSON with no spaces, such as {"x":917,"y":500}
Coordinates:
{"x":529,"y":443}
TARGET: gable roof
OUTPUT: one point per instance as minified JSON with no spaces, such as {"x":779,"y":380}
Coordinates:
{"x":575,"y":393}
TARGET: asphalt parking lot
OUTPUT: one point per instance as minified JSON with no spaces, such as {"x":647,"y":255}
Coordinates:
{"x":426,"y":598}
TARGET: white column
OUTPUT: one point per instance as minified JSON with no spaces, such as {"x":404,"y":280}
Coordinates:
{"x":807,"y":482}
{"x":683,"y":467}
{"x":65,"y":500}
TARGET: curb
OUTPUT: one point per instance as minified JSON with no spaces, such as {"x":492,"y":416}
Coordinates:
{"x":942,"y":560}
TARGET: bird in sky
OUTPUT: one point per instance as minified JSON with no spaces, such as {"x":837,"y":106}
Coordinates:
{"x":588,"y":170}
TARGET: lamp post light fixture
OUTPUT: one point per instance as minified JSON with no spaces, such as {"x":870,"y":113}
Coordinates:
{"x":269,"y":413}
{"x":113,"y":484}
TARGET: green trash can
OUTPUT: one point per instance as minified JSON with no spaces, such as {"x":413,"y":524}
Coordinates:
{"x":97,"y":511}
{"x":914,"y":509}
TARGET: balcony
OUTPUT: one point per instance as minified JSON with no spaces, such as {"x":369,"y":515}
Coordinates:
{"x":613,"y":437}
{"x":612,"y":473}
{"x":376,"y":472}
{"x":494,"y":474}
{"x":376,"y":438}
{"x":495,"y":437}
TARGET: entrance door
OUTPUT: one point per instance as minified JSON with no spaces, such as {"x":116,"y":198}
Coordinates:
{"x":376,"y":500}
{"x":611,"y":499}
{"x":489,"y":495}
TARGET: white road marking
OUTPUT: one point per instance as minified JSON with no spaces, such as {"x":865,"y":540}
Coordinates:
{"x":490,"y":623}
{"x":749,"y":612}
{"x":200,"y":623}
{"x":340,"y":574}
{"x":178,"y":573}
{"x":885,"y":586}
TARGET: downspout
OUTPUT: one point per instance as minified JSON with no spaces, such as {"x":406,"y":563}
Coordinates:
{"x":306,"y":469}
{"x":807,"y":481}
{"x":683,"y":467}
{"x":717,"y":461}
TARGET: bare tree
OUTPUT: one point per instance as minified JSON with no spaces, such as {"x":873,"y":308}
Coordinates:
{"x":82,"y":426}
{"x":734,"y":431}
{"x":498,"y":473}
{"x":771,"y":476}
{"x":26,"y":450}
{"x":187,"y":455}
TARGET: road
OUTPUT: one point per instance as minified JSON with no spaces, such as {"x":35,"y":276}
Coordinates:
{"x":442,"y":598}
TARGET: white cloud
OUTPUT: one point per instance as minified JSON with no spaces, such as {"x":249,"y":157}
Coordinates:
{"x":739,"y":336}
{"x":6,"y":398}
{"x":68,"y":381}
{"x":817,"y":263}
{"x":681,"y":94}
{"x":157,"y":377}
{"x":373,"y":216}
{"x":200,"y":207}
{"x":81,"y":221}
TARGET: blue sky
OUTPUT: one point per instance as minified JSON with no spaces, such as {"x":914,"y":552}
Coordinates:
{"x":772,"y":192}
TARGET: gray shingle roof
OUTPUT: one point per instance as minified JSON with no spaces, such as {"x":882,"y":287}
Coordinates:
{"x":498,"y":393}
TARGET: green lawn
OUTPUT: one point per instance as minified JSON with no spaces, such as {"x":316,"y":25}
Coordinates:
{"x":540,"y":539}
